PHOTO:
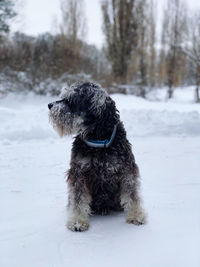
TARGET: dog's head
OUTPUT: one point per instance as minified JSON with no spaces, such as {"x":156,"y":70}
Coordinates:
{"x":81,"y":108}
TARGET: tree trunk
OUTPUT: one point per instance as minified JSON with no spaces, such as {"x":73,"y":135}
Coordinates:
{"x":197,"y":94}
{"x":170,"y":92}
{"x":197,"y":83}
{"x":142,"y":91}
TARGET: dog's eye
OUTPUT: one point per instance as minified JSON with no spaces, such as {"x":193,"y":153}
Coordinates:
{"x":67,"y":102}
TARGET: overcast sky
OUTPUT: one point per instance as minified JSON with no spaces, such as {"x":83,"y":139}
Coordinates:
{"x":41,"y":15}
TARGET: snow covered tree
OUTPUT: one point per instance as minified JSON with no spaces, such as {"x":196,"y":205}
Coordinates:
{"x":6,"y":13}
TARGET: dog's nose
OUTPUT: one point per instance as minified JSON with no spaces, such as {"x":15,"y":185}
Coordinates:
{"x":50,"y":105}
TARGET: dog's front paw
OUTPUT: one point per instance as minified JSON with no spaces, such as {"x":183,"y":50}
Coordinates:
{"x":137,"y":218}
{"x":78,"y":226}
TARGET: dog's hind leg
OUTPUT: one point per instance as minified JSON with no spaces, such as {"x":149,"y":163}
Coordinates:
{"x":131,"y":202}
{"x":78,"y":207}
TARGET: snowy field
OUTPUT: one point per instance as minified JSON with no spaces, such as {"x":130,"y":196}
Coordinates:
{"x":33,"y":195}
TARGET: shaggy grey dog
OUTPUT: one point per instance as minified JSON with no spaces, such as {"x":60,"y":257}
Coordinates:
{"x":103,"y":175}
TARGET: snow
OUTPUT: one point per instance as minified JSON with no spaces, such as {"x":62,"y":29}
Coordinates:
{"x":166,"y":143}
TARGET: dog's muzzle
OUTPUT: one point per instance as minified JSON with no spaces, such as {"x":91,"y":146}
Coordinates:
{"x":60,"y":103}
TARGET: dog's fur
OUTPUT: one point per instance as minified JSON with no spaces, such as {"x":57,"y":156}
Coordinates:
{"x":99,"y":179}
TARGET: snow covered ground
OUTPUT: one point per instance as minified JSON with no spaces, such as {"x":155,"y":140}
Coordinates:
{"x":33,"y":195}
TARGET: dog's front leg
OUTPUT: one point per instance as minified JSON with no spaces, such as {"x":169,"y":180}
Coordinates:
{"x":131,"y":202}
{"x":78,"y":207}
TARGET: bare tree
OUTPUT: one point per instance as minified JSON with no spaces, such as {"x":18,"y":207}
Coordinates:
{"x":162,"y":67}
{"x":192,"y":49}
{"x":143,"y":40}
{"x":152,"y":41}
{"x":120,"y":29}
{"x":73,"y":20}
{"x":73,"y":31}
{"x":195,"y":50}
{"x":174,"y":33}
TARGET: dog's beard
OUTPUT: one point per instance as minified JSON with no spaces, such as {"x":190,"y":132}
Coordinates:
{"x":63,"y":122}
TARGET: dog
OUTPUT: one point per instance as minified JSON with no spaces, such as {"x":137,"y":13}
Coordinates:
{"x":103,"y":175}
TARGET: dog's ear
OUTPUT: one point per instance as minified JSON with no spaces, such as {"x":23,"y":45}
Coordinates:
{"x":103,"y":107}
{"x":102,"y":111}
{"x":110,"y":112}
{"x":98,"y":102}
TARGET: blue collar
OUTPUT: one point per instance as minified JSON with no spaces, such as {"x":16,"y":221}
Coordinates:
{"x":102,"y":144}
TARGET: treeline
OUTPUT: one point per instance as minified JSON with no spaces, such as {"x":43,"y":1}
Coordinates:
{"x":140,"y":51}
{"x":146,"y":55}
{"x":50,"y":55}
